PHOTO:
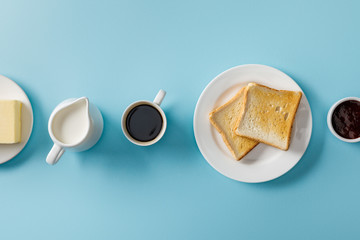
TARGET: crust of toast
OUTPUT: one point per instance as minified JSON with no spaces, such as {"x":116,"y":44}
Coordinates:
{"x":228,"y":136}
{"x":265,"y":110}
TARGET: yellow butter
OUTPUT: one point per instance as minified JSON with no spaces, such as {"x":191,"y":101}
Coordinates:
{"x":10,"y":121}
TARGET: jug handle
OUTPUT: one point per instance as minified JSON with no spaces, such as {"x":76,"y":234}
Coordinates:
{"x":54,"y":155}
{"x":159,"y":97}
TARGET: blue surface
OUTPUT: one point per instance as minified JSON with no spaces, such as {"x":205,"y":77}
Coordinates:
{"x":116,"y":52}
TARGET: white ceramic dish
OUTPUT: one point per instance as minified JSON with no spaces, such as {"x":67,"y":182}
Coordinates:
{"x":329,"y":116}
{"x":264,"y":162}
{"x":10,"y":90}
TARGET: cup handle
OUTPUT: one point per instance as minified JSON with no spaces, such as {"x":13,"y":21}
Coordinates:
{"x":54,"y":155}
{"x":159,"y":97}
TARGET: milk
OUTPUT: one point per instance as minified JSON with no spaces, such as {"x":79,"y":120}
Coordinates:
{"x":71,"y":124}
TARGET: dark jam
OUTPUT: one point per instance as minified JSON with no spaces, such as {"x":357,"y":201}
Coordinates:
{"x":346,"y":119}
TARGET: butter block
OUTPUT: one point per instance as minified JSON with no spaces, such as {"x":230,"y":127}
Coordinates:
{"x":10,"y":121}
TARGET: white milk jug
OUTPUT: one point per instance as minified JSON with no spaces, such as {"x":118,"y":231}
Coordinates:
{"x":75,"y":124}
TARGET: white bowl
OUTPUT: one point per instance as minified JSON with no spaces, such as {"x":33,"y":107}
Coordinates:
{"x":329,"y":116}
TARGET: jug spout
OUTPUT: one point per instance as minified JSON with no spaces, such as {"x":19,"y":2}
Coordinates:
{"x":80,"y":104}
{"x":81,"y":100}
{"x":72,"y":101}
{"x":84,"y":102}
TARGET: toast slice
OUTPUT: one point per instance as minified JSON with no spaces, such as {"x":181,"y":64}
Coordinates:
{"x":224,"y":119}
{"x":267,"y":115}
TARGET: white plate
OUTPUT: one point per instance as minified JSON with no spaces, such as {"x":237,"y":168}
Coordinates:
{"x":264,"y":162}
{"x":10,"y":90}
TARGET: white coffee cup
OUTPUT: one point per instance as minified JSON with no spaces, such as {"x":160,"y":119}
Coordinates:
{"x":154,"y":104}
{"x":75,"y":124}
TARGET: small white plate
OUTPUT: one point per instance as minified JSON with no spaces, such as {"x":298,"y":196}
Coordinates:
{"x":10,"y":90}
{"x":264,"y":162}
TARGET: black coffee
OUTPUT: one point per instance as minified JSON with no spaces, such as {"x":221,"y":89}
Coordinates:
{"x":144,"y":123}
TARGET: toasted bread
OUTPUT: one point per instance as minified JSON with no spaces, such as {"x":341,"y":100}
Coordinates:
{"x":224,"y":119}
{"x":267,"y":115}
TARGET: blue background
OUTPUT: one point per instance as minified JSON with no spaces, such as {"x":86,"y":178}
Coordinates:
{"x":117,"y":52}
